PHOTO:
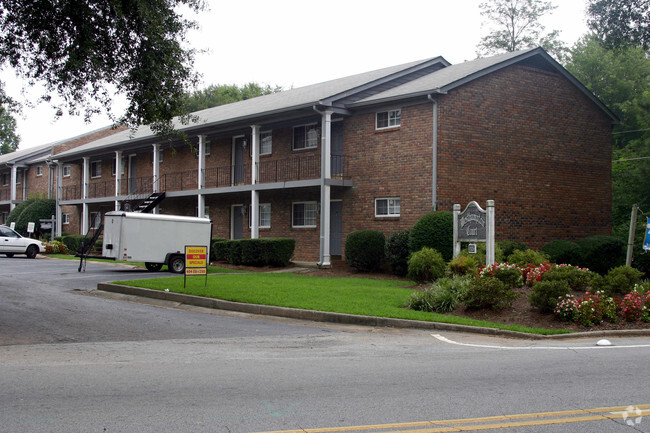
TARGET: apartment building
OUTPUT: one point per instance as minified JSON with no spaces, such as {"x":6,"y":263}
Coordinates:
{"x":375,"y":150}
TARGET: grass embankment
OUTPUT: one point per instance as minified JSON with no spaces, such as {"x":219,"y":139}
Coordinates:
{"x":360,"y":296}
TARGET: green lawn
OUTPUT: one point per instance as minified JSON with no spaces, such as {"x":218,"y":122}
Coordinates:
{"x":361,"y":296}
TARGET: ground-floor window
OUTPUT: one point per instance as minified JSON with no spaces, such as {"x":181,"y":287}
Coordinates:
{"x":387,"y":207}
{"x":264,"y":221}
{"x":95,"y":220}
{"x":304,"y":214}
{"x":65,"y":218}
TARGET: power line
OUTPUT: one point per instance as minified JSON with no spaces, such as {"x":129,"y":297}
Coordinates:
{"x":634,"y":130}
{"x":631,"y":159}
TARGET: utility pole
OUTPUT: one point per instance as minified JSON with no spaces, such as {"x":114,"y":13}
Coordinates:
{"x":630,"y":238}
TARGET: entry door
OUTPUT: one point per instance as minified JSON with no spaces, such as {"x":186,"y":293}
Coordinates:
{"x":337,"y":149}
{"x":237,"y":220}
{"x":239,"y":152}
{"x":336,"y":228}
{"x":132,"y":176}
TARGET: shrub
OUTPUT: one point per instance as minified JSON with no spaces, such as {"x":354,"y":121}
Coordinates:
{"x":55,"y":247}
{"x":364,"y":250}
{"x":621,"y":280}
{"x":509,"y":247}
{"x":508,"y":274}
{"x":434,"y":230}
{"x":632,"y":306}
{"x":593,"y":307}
{"x":426,"y":265}
{"x":397,"y":252}
{"x":254,"y":252}
{"x":444,"y":294}
{"x":532,"y":274}
{"x":36,"y":210}
{"x":566,"y":308}
{"x":213,"y":253}
{"x":601,"y":253}
{"x":524,"y":257}
{"x":487,"y":292}
{"x":545,"y":294}
{"x":73,"y":242}
{"x":562,"y":251}
{"x":463,"y":265}
{"x":577,"y":278}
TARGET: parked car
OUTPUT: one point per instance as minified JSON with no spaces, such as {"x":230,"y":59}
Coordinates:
{"x":12,"y":243}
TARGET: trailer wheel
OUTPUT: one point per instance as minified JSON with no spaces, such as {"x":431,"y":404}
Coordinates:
{"x":153,"y":267}
{"x":177,"y":264}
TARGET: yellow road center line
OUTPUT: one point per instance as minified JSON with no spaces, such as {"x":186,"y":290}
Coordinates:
{"x":459,"y":425}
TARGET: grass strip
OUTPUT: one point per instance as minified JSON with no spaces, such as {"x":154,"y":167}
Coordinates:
{"x":211,"y":269}
{"x":360,"y":296}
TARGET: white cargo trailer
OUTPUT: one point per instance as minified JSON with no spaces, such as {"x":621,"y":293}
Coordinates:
{"x":156,"y":240}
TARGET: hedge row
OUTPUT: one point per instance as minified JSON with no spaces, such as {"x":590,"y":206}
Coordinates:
{"x":254,"y":252}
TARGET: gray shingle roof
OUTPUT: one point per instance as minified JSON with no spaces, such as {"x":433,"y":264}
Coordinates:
{"x":25,"y":155}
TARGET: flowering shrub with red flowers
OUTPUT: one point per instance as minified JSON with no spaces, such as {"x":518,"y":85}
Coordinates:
{"x":632,"y":306}
{"x":533,"y":274}
{"x":507,"y":273}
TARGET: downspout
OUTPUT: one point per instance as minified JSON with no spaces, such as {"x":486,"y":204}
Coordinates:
{"x":324,"y":259}
{"x":434,"y":162}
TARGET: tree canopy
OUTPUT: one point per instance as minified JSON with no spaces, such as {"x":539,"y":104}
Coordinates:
{"x":518,"y":27}
{"x":220,"y":94}
{"x":88,"y":51}
{"x":621,"y":22}
{"x":621,"y":79}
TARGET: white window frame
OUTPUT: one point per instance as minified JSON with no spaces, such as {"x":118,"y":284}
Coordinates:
{"x":307,"y":143}
{"x":264,"y":208}
{"x":39,"y":170}
{"x":67,"y":170}
{"x":96,"y":166}
{"x":304,"y":224}
{"x":65,"y":218}
{"x":269,"y":136}
{"x":95,"y":218}
{"x":393,"y":119}
{"x":393,"y":209}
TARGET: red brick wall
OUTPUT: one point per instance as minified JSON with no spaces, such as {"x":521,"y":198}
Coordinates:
{"x":532,"y":142}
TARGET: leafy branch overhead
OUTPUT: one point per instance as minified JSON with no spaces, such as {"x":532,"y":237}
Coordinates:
{"x":89,"y":51}
{"x":517,"y":26}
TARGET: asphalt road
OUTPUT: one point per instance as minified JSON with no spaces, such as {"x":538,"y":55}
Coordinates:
{"x":73,"y":360}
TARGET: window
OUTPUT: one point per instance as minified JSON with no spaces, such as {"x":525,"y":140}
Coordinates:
{"x":39,"y":170}
{"x":306,"y":136}
{"x":96,"y":169}
{"x":389,"y":119}
{"x":19,"y":177}
{"x":387,"y":207}
{"x":65,"y":218}
{"x":266,"y":143}
{"x":95,"y":220}
{"x":4,"y":217}
{"x":207,"y":148}
{"x":304,"y":214}
{"x":5,"y":179}
{"x":66,"y":171}
{"x":264,"y":216}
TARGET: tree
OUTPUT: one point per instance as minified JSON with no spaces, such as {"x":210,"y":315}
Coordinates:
{"x":621,"y":79}
{"x":88,"y":51}
{"x":621,"y":22}
{"x":8,"y":138}
{"x":222,"y":94}
{"x":518,"y":27}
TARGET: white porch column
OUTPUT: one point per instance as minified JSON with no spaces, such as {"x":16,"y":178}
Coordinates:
{"x":59,"y":197}
{"x":255,"y":195}
{"x":201,"y":177}
{"x":156,"y":172}
{"x":118,"y":178}
{"x":14,"y":174}
{"x":325,"y":193}
{"x":84,"y":195}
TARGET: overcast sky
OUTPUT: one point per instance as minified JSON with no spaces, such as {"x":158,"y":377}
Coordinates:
{"x":292,"y":43}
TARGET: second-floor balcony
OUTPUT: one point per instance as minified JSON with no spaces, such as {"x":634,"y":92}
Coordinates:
{"x":271,"y":171}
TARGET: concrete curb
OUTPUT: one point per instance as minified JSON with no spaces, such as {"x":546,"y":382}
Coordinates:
{"x":348,"y":319}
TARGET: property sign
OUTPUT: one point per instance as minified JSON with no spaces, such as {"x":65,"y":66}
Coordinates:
{"x":196,"y":260}
{"x":472,"y":224}
{"x":646,"y":242}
